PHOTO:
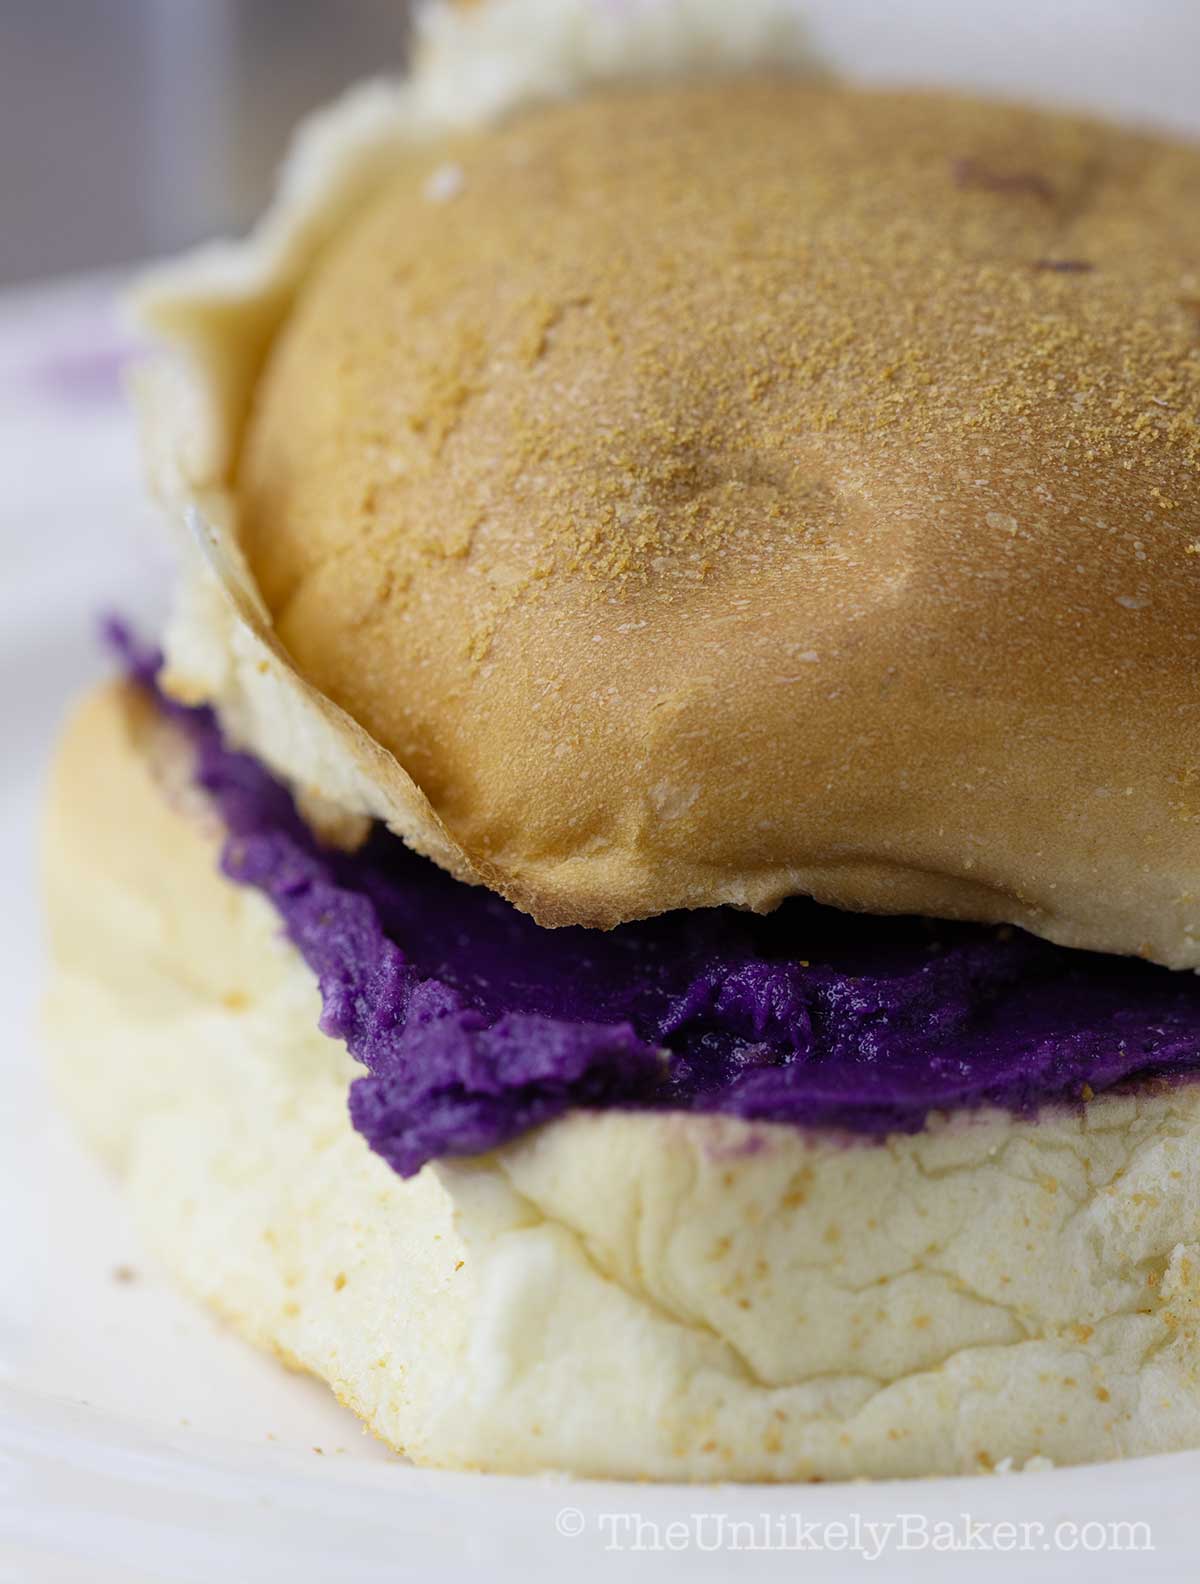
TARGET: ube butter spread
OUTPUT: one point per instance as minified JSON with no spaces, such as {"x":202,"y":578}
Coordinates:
{"x":474,"y":1023}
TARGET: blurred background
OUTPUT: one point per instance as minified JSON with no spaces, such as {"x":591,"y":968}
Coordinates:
{"x":132,"y":127}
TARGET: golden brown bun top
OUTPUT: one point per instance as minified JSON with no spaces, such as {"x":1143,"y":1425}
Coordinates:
{"x":720,"y":491}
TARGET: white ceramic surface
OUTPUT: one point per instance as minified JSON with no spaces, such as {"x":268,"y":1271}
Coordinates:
{"x":140,"y":1441}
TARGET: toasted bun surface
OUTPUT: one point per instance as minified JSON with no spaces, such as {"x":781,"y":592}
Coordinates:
{"x":669,"y":1296}
{"x":721,"y":491}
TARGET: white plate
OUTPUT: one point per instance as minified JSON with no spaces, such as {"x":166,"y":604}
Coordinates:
{"x":138,"y":1440}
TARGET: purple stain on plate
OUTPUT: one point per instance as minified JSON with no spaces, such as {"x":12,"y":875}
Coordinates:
{"x":84,"y":375}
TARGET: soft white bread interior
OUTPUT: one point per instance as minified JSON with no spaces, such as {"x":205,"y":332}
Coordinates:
{"x":662,"y":1296}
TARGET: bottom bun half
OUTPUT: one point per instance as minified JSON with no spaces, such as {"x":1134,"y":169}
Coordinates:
{"x":664,"y":1296}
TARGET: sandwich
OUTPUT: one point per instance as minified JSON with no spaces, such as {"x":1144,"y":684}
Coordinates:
{"x":643,"y":919}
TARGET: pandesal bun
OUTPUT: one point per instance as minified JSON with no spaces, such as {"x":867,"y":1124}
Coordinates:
{"x":714,"y":491}
{"x":664,"y":1296}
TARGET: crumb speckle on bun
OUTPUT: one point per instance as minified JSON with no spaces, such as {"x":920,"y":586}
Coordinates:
{"x":659,"y":1295}
{"x":643,"y":476}
{"x":735,"y":489}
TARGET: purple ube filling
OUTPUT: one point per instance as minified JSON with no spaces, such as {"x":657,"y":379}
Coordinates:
{"x":475,"y":1024}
